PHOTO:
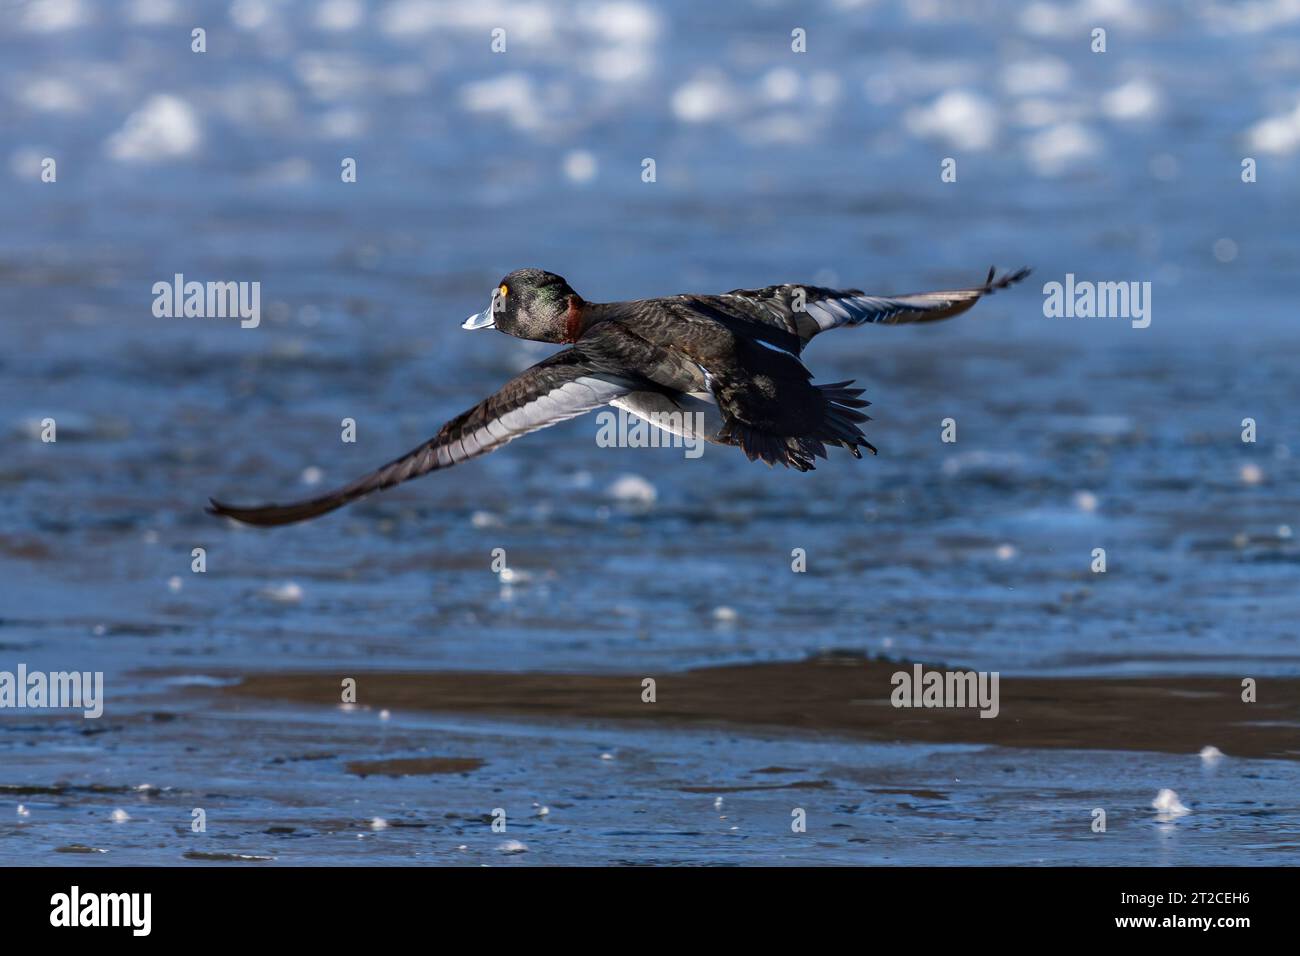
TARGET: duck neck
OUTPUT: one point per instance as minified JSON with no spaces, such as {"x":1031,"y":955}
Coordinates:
{"x":580,"y":317}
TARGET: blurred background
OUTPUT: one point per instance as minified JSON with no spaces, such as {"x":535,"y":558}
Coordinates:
{"x":770,"y":166}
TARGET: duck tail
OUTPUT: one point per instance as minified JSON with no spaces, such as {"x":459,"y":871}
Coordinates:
{"x":839,"y":426}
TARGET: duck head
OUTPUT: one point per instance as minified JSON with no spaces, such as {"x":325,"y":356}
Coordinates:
{"x":532,"y":304}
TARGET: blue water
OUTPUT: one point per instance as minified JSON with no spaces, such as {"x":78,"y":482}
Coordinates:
{"x":771,"y":166}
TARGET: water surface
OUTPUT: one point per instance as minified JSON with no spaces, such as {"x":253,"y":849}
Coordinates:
{"x":771,"y":166}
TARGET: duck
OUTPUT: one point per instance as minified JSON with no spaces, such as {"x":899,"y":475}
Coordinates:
{"x":727,"y":367}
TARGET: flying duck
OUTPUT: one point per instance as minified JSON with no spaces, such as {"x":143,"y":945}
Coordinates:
{"x":732,"y":362}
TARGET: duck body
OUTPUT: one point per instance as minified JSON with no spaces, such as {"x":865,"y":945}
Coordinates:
{"x":725,"y":368}
{"x":728,"y":365}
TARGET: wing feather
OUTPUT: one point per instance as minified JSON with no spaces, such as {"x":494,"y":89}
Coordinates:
{"x":825,"y":309}
{"x":561,"y":387}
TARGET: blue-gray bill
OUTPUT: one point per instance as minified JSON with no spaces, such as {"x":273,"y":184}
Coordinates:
{"x":480,"y":320}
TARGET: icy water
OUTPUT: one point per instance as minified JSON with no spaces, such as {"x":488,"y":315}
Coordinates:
{"x":823,"y":167}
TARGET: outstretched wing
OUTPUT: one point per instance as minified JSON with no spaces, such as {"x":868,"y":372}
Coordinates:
{"x":563,"y":386}
{"x":824,"y":309}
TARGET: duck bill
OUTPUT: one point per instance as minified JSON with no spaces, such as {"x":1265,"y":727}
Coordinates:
{"x":481,"y":320}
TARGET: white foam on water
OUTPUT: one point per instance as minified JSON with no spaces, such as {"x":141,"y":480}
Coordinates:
{"x":251,"y":14}
{"x":1278,"y":134}
{"x":51,"y":16}
{"x":580,"y":166}
{"x":959,"y":117}
{"x":151,"y":12}
{"x":633,"y":489}
{"x":1085,"y":501}
{"x":1137,"y":99}
{"x":1030,"y":77}
{"x":165,"y":127}
{"x":1068,"y":20}
{"x":780,"y":85}
{"x":511,"y":96}
{"x":1060,"y":147}
{"x":824,"y":89}
{"x":50,"y":94}
{"x":290,"y":592}
{"x":341,"y":124}
{"x":25,"y":163}
{"x":1168,"y":806}
{"x":200,"y":680}
{"x":332,"y":76}
{"x":1007,"y":464}
{"x":621,"y":21}
{"x":707,"y":97}
{"x":1255,"y":17}
{"x":620,"y":64}
{"x":339,"y":16}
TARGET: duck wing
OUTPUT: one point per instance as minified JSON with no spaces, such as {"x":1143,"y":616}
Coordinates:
{"x":563,"y":386}
{"x":806,"y":311}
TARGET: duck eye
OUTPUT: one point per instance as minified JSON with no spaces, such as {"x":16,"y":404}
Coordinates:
{"x":504,"y":290}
